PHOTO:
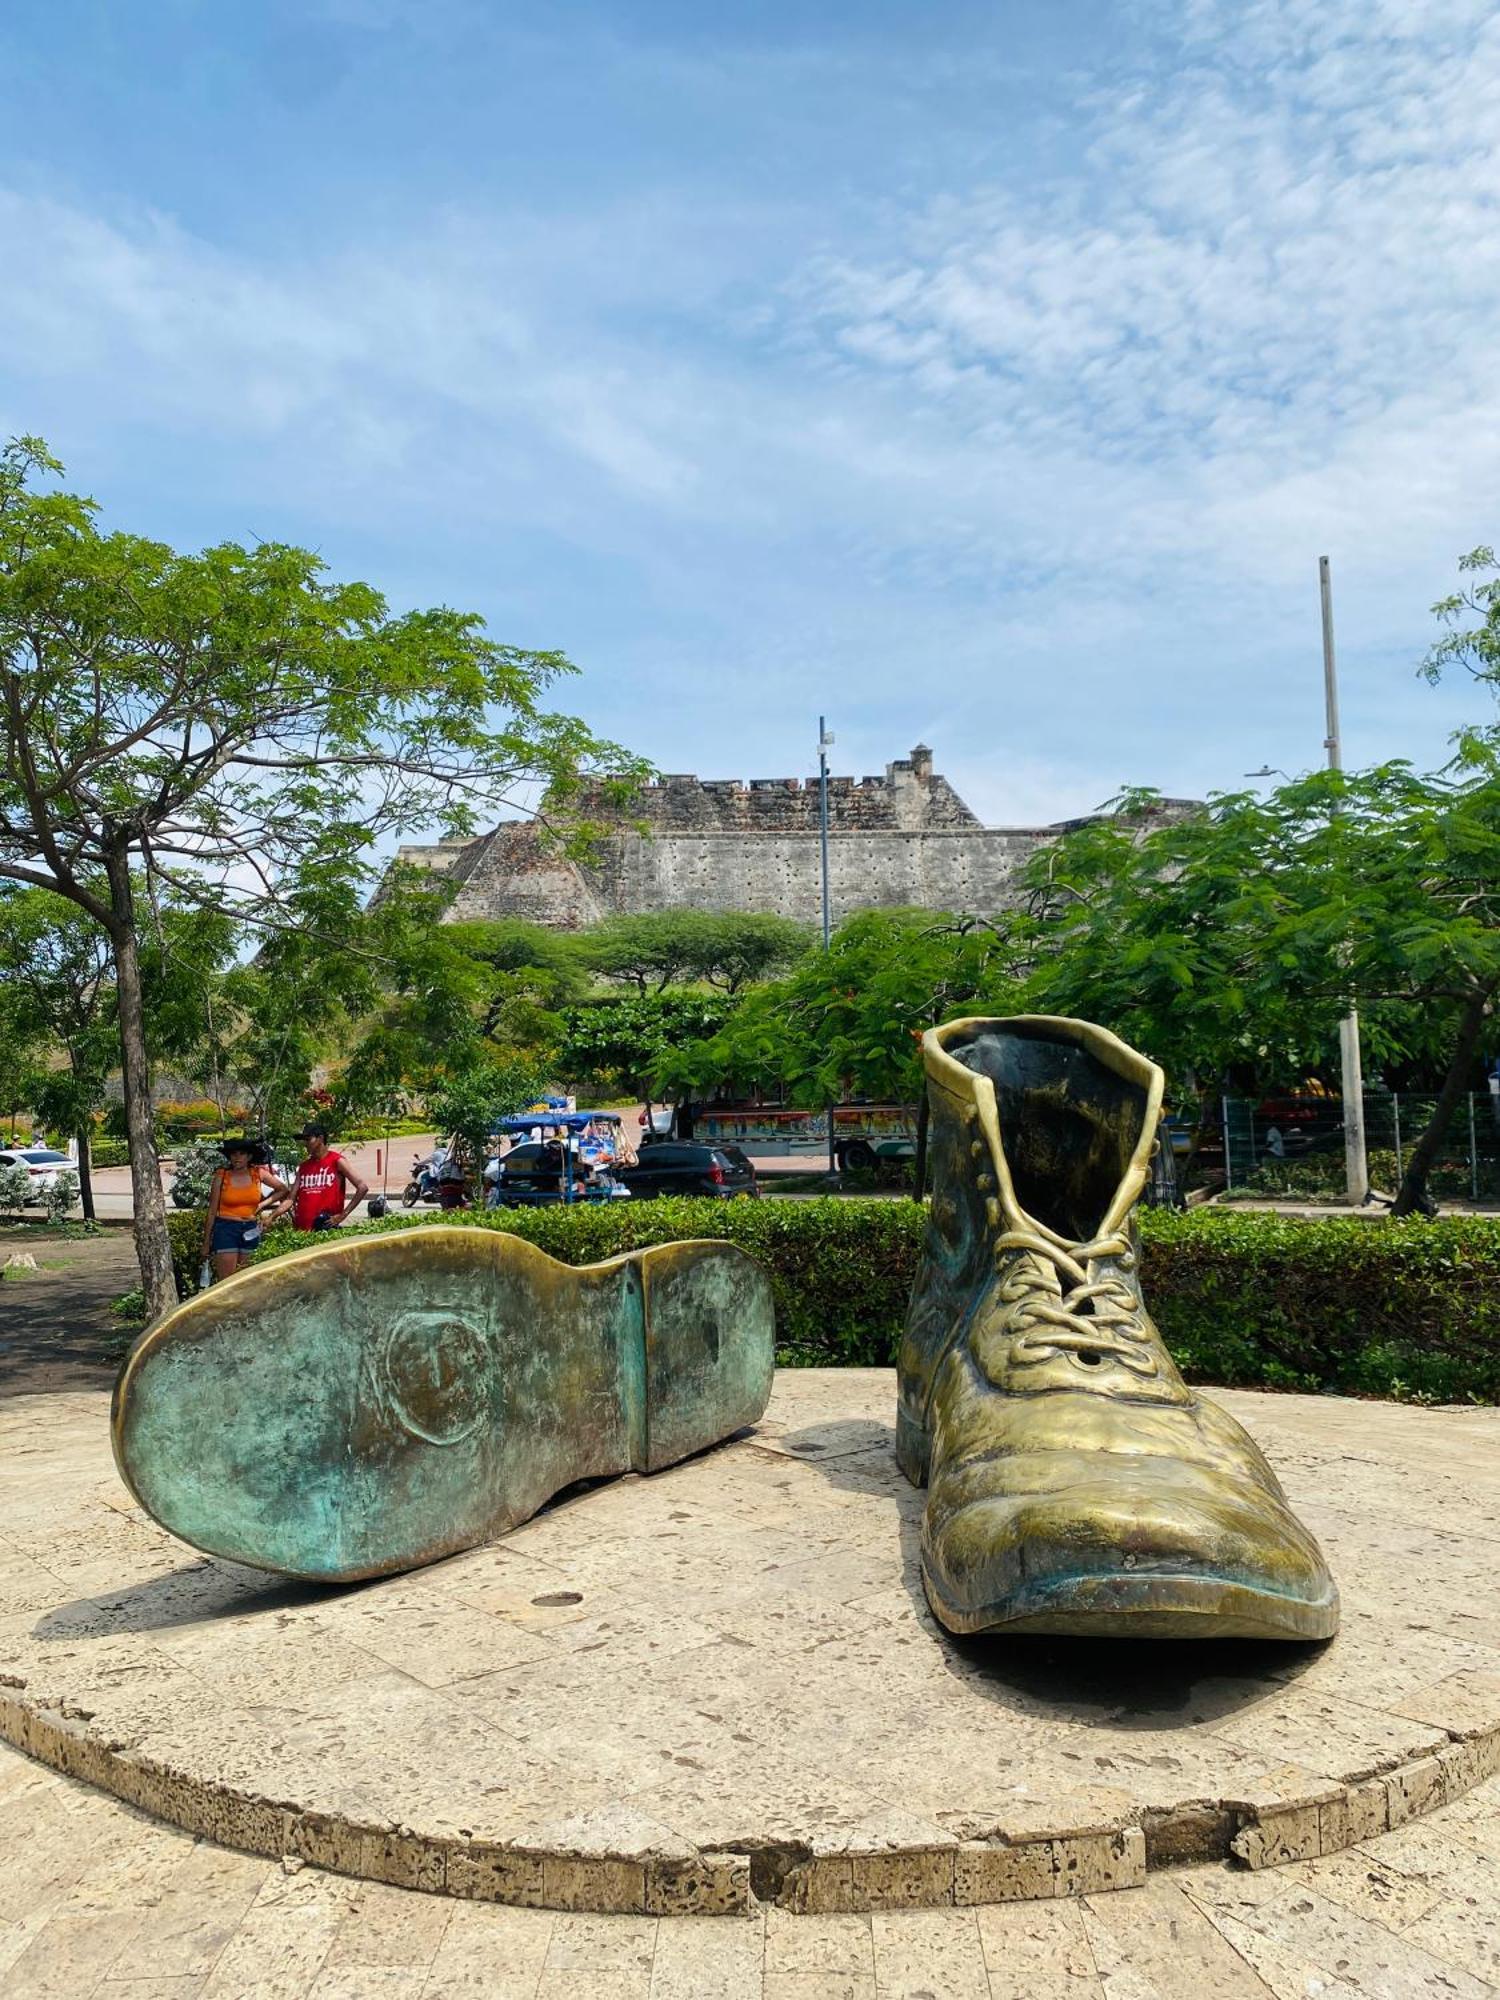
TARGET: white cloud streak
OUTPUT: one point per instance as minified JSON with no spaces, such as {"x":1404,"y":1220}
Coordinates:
{"x":1086,"y":431}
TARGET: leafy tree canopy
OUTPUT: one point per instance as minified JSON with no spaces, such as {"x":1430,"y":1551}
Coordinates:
{"x":230,"y":730}
{"x":1230,"y":943}
{"x":729,"y":950}
{"x":847,"y":1022}
{"x":616,"y":1047}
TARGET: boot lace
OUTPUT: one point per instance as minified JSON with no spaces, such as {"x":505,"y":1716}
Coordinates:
{"x":1062,"y":1305}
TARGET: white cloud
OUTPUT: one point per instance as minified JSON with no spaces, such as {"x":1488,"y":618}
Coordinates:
{"x":1068,"y":445}
{"x":1276,"y":279}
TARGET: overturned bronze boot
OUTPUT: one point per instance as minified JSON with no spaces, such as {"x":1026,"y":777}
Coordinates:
{"x":1077,"y":1485}
{"x":368,"y":1406}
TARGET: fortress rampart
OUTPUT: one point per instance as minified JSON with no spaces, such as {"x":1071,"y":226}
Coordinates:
{"x":902,"y":840}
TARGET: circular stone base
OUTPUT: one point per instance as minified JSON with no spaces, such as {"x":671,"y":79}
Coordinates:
{"x":673,"y":1694}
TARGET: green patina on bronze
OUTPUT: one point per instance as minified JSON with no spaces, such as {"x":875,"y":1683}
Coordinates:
{"x":366,"y":1407}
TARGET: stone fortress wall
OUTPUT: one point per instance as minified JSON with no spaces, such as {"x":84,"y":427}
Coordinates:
{"x":902,"y":840}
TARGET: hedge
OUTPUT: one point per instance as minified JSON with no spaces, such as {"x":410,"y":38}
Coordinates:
{"x":1399,"y":1309}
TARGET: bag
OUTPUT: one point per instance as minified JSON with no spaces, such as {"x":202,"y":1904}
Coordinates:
{"x":205,"y":1274}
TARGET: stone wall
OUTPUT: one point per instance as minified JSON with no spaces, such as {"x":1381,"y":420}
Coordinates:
{"x":903,"y":840}
{"x":909,"y":798}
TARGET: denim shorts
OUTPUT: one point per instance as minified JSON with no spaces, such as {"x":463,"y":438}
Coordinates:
{"x":237,"y":1236}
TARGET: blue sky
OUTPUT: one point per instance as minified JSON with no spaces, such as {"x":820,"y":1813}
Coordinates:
{"x":993,"y":375}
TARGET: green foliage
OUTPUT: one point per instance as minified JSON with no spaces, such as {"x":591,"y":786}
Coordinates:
{"x":60,"y":1196}
{"x":468,"y":1104}
{"x":1402,"y":1309}
{"x":199,"y":1115}
{"x":194,"y":1167}
{"x":729,"y":949}
{"x":57,"y":978}
{"x":230,"y":733}
{"x":1472,"y":615}
{"x":1320,"y":1177}
{"x":614,"y":1048}
{"x":1229,"y":943}
{"x":15,"y":1188}
{"x":1406,"y":1310}
{"x":847,"y":1021}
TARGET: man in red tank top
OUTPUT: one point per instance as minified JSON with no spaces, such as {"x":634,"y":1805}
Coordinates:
{"x":318,"y":1199}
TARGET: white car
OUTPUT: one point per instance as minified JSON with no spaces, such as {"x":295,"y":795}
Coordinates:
{"x":43,"y":1165}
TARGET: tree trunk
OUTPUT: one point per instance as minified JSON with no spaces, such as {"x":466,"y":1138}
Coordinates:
{"x":1412,"y":1196}
{"x":153,"y":1243}
{"x":85,"y":1174}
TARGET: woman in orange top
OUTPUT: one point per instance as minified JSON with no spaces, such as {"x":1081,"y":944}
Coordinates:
{"x":239,"y":1191}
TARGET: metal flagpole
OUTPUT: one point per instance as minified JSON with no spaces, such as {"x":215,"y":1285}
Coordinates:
{"x":824,"y":741}
{"x":1356,"y":1165}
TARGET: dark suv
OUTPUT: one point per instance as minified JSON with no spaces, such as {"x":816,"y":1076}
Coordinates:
{"x":671,"y":1166}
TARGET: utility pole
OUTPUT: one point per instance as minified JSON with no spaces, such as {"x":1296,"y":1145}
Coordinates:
{"x":825,"y":742}
{"x":1356,"y":1165}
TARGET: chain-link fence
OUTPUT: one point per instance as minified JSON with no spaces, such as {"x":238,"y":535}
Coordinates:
{"x":1295,"y":1145}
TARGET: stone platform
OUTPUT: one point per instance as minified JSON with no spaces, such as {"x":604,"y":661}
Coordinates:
{"x":682,"y":1693}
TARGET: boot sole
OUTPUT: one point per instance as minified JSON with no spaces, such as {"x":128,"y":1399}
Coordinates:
{"x":367,"y":1407}
{"x":1150,"y":1605}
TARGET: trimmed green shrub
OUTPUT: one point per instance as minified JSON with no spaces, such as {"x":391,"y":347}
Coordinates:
{"x":841,"y":1269}
{"x":1379,"y":1308}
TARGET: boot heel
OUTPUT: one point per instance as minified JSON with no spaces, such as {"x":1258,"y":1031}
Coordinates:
{"x":913,"y":1448}
{"x":710,"y":1348}
{"x":367,"y":1407}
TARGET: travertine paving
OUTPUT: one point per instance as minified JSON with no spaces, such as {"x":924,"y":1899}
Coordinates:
{"x":99,"y":1903}
{"x":720,"y":1687}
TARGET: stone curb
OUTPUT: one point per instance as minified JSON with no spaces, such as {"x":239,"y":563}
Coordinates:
{"x":620,"y":1862}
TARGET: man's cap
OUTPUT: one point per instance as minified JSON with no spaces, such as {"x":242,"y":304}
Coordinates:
{"x":313,"y":1130}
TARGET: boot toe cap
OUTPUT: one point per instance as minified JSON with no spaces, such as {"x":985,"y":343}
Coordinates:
{"x":1154,"y":1550}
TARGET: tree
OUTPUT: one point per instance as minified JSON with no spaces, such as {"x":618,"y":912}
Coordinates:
{"x":525,"y":974}
{"x":729,"y":949}
{"x":473,"y":1098}
{"x":21,"y":1050}
{"x":1235,"y":940}
{"x":618,"y":1046}
{"x":55,"y":962}
{"x":848,"y":1021}
{"x":232,"y":730}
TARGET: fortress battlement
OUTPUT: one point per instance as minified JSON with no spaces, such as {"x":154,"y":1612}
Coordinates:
{"x":907,"y":798}
{"x":901,"y":839}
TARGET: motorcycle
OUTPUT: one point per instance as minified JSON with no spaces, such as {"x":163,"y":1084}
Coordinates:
{"x":423,"y":1185}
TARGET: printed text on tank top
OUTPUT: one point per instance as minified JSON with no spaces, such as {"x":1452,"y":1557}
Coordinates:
{"x":319,"y":1190}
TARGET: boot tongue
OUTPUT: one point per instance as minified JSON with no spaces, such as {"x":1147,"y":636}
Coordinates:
{"x":1070,"y":1126}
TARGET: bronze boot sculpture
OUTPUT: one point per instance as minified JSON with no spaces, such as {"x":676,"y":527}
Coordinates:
{"x":365,"y":1407}
{"x":1076,"y":1484}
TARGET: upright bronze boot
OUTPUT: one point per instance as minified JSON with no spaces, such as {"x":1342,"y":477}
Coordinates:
{"x":1077,"y":1485}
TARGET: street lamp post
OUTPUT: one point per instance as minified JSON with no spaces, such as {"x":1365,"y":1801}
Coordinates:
{"x":1356,"y":1165}
{"x":825,"y":742}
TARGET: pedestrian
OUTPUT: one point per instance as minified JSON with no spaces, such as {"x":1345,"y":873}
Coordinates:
{"x":238,"y":1192}
{"x":318,"y":1200}
{"x":453,"y":1177}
